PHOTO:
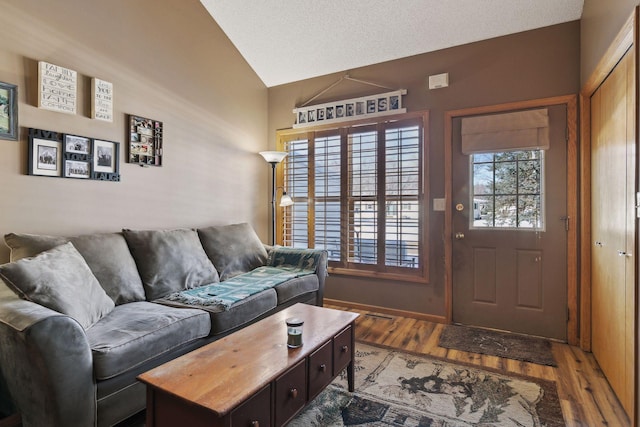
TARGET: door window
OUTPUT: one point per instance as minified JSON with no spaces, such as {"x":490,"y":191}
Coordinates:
{"x":507,"y":190}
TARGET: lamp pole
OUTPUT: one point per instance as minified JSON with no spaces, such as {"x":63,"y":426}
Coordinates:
{"x":273,"y":202}
{"x":273,"y":158}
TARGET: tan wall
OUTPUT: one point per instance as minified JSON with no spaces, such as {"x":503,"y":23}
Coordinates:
{"x":600,"y":23}
{"x":169,"y":61}
{"x":530,"y":65}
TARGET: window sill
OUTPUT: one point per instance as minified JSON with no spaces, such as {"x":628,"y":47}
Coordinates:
{"x":377,"y":275}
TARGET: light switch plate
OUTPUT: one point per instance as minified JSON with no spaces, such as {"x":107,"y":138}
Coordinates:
{"x":438,"y":205}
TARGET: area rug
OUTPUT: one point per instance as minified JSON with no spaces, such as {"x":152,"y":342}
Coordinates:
{"x":394,"y":388}
{"x":494,"y":343}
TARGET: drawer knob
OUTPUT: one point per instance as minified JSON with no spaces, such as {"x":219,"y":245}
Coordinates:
{"x":255,"y":423}
{"x":345,"y":348}
{"x":293,"y":393}
{"x":323,"y":368}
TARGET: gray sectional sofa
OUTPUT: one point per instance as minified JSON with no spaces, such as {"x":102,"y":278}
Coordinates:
{"x":81,"y":317}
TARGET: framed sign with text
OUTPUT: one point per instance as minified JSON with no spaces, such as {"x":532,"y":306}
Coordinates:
{"x":350,"y":109}
{"x":57,"y":88}
{"x":101,"y":100}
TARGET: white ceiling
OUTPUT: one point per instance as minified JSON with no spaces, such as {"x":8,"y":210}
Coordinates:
{"x":290,"y":40}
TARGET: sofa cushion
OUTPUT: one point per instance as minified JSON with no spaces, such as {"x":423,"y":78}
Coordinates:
{"x":107,"y":255}
{"x":295,"y":287}
{"x":240,"y":313}
{"x":28,"y":245}
{"x":137,"y":332}
{"x":61,"y":280}
{"x":170,"y":260}
{"x":234,"y":249}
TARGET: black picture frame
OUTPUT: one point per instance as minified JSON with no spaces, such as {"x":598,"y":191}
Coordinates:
{"x":105,"y":160}
{"x":45,"y":153}
{"x":77,"y":159}
{"x":8,"y":111}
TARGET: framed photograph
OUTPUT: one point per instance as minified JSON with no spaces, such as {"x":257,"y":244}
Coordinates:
{"x":74,"y":144}
{"x":77,"y":169}
{"x":8,"y":111}
{"x":145,"y":141}
{"x":76,"y":156}
{"x":105,"y":156}
{"x":45,"y":153}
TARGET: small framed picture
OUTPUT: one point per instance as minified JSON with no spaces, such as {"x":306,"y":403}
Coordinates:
{"x":45,"y":153}
{"x":8,"y":111}
{"x":105,"y":157}
{"x":76,"y":156}
{"x":74,"y":144}
{"x":350,"y":110}
{"x":77,"y":169}
{"x":145,"y":141}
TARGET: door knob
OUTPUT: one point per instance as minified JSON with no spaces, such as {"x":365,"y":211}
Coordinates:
{"x":459,"y":235}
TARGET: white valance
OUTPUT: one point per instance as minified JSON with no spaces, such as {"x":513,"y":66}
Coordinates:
{"x":520,"y":130}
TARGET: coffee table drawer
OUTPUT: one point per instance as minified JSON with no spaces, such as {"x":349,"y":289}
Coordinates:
{"x":255,"y":412}
{"x":342,"y":350}
{"x":320,"y":369}
{"x":291,"y":392}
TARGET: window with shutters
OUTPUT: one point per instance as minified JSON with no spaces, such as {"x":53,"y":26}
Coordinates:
{"x":359,"y":194}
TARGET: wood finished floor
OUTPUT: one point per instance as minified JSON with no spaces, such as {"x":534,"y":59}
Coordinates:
{"x":585,"y":395}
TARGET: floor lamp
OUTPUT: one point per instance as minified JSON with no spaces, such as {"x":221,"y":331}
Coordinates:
{"x":273,"y":158}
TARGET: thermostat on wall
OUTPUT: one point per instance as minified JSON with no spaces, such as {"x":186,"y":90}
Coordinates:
{"x":438,"y":80}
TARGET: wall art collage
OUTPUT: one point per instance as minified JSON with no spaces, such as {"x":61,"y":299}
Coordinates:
{"x":72,"y":156}
{"x":66,"y":155}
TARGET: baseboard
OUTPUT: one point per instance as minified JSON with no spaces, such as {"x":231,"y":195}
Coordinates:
{"x":385,"y":310}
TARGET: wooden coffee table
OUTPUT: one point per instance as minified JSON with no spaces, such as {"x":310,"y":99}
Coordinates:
{"x":251,"y":378}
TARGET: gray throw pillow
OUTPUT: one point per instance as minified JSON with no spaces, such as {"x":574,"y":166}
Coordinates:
{"x":234,"y":249}
{"x":61,"y":280}
{"x":170,"y":260}
{"x":107,"y":255}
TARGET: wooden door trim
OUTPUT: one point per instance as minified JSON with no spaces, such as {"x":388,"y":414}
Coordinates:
{"x":571,"y":102}
{"x":621,"y":44}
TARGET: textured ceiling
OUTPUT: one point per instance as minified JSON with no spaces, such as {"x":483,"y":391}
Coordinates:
{"x":290,"y":40}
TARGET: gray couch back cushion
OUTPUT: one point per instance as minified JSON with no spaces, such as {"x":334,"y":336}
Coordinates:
{"x":234,"y":249}
{"x":61,"y":280}
{"x":170,"y":260}
{"x":106,"y":254}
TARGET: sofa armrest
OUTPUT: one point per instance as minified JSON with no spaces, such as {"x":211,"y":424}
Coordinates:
{"x":301,"y":258}
{"x":46,"y":362}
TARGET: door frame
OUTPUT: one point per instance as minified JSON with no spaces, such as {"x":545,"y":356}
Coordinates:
{"x":571,"y":103}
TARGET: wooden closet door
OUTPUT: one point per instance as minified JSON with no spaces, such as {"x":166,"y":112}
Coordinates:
{"x":613,"y":227}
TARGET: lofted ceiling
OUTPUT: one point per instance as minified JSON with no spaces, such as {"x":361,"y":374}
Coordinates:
{"x":290,"y":40}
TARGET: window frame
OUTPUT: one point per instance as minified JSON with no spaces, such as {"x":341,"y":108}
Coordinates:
{"x":344,"y":267}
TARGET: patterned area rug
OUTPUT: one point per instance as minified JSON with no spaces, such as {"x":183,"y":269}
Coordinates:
{"x":394,"y":388}
{"x":494,"y":343}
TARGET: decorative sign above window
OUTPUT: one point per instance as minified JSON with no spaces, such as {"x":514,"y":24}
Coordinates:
{"x":57,"y":88}
{"x":350,"y":109}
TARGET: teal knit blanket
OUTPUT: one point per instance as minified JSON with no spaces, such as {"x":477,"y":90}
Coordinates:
{"x":226,"y":293}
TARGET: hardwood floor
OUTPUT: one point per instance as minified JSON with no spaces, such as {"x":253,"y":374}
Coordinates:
{"x":585,"y":395}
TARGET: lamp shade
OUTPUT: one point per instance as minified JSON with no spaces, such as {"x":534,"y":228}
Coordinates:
{"x":273,"y":156}
{"x":286,"y":200}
